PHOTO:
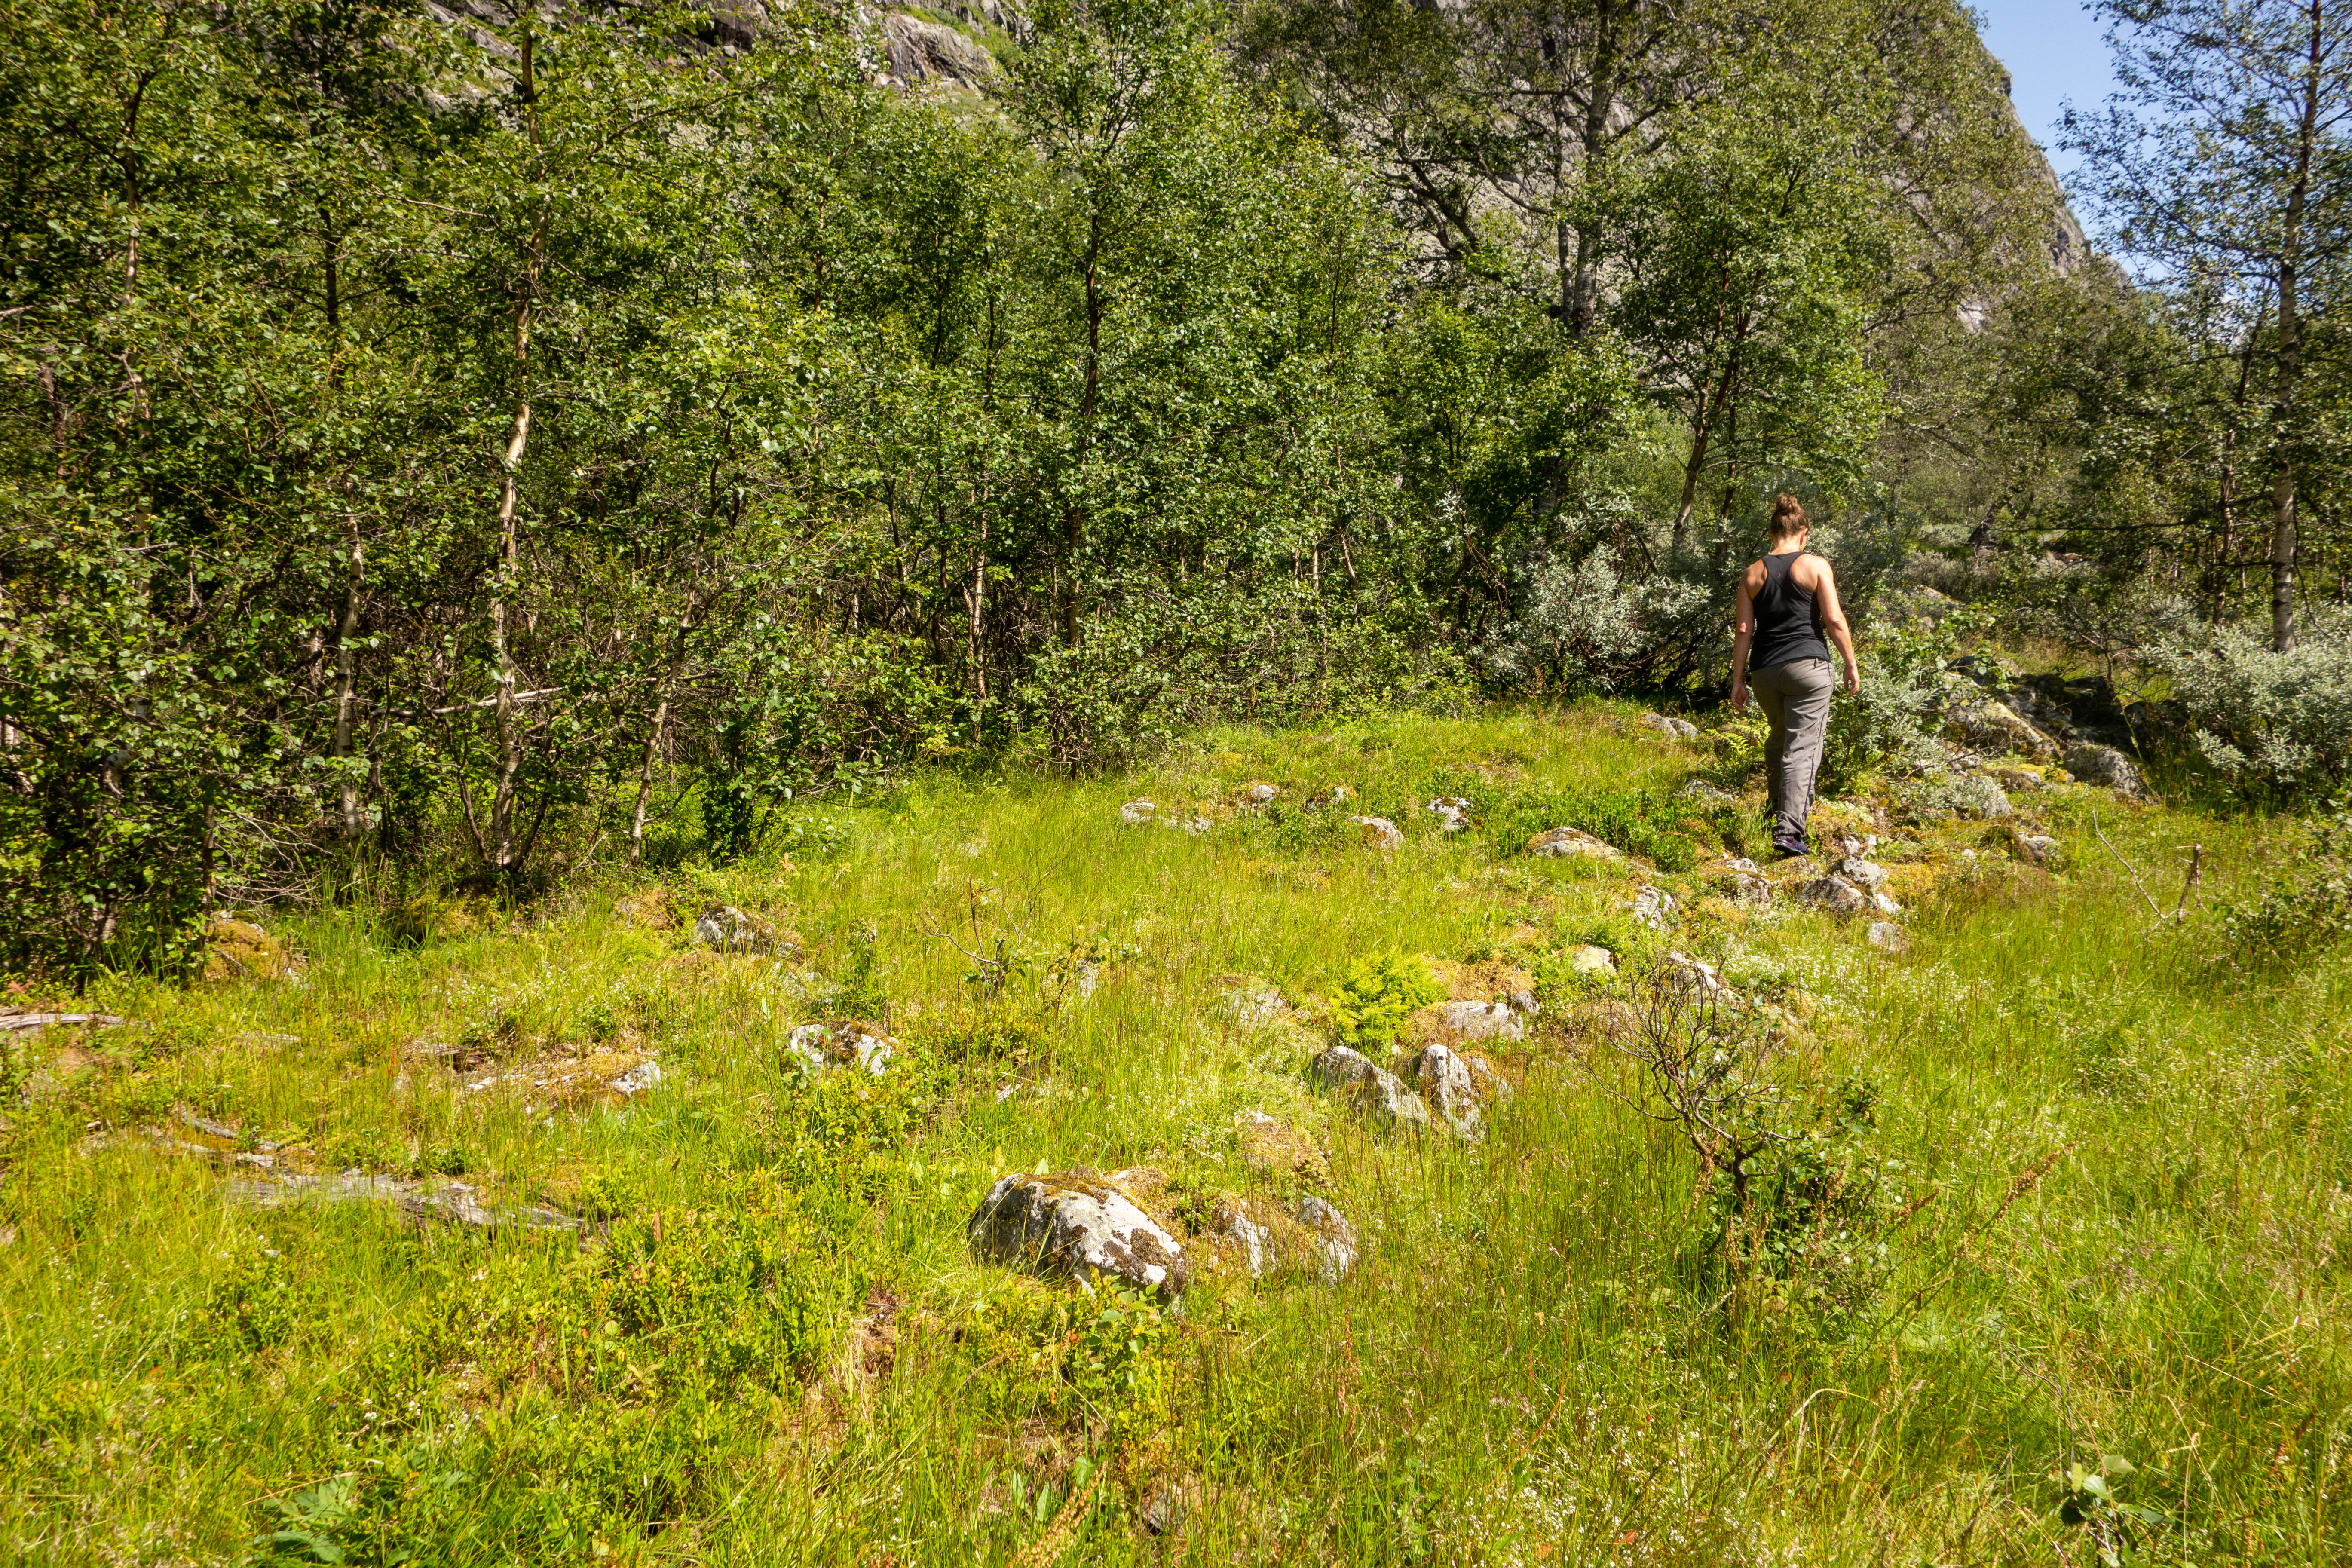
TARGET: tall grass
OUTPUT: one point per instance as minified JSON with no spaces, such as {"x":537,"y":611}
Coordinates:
{"x":2117,"y":1165}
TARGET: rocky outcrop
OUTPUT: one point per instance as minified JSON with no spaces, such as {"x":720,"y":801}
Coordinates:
{"x":1076,"y":1224}
{"x":1565,"y":843}
{"x":1671,"y":728}
{"x":819,"y":1048}
{"x":1379,"y":832}
{"x":1446,"y":1085}
{"x":923,"y":51}
{"x":1831,"y":895}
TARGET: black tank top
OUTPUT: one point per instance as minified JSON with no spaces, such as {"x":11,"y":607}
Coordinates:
{"x":1788,"y":619}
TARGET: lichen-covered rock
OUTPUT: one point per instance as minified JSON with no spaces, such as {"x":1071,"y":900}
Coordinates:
{"x":1884,"y":902}
{"x":1259,"y":793}
{"x":1671,"y":728}
{"x":1482,"y":1020}
{"x":1379,"y":832}
{"x":1590,"y":960}
{"x":1135,"y":813}
{"x":2026,"y":780}
{"x":1352,"y":1076}
{"x":1832,"y":895}
{"x":1452,"y":812}
{"x":1752,"y":891}
{"x":1861,"y":873}
{"x":2107,"y":768}
{"x":1978,"y":797}
{"x":819,"y":1048}
{"x":1654,"y":906}
{"x":1990,"y":725}
{"x":240,"y":950}
{"x":1888,"y":936}
{"x":919,"y":50}
{"x":1074,"y":1223}
{"x":1446,"y":1085}
{"x":1561,"y":843}
{"x":1334,"y":1237}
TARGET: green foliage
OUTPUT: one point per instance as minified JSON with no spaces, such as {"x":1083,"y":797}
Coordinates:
{"x":714,"y":1298}
{"x":1379,"y":994}
{"x":252,"y":1306}
{"x":2305,"y":906}
{"x":1889,"y":724}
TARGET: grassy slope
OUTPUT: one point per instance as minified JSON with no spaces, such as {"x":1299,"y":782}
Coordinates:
{"x":1538,"y":1359}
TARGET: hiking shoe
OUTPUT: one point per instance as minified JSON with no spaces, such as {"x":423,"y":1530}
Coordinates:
{"x":1790,"y":848}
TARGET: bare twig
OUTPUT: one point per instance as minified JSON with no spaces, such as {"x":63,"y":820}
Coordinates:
{"x":2129,"y":868}
{"x":2188,"y":885}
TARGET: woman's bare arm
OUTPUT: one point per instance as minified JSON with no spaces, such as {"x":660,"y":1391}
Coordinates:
{"x":1739,"y":641}
{"x":1833,"y":622}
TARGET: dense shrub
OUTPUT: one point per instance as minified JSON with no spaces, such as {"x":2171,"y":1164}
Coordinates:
{"x":2274,"y":722}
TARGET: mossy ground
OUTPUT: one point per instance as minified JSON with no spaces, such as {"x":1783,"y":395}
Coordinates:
{"x":2110,"y":1215}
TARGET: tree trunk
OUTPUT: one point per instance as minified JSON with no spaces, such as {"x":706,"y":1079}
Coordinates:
{"x":646,"y":784}
{"x":1583,"y":301}
{"x":510,"y":729}
{"x":2290,"y":347}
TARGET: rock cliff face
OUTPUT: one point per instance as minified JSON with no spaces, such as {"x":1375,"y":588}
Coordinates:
{"x":2068,"y":247}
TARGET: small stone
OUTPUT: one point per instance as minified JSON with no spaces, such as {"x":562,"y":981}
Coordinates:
{"x":1564,"y":842}
{"x":1739,"y":863}
{"x":1654,"y":906}
{"x":1380,"y":1094}
{"x":1074,"y":1223}
{"x":1524,"y":1002}
{"x":2108,"y":768}
{"x":2038,"y":849}
{"x":1752,"y":891}
{"x":1135,"y":813}
{"x":1834,"y":895}
{"x":1338,"y":794}
{"x":1699,"y":975}
{"x":1483,"y":1020}
{"x":1452,"y":811}
{"x":1706,"y":794}
{"x":646,"y":1075}
{"x":1888,"y":936}
{"x":1256,"y":1242}
{"x":1884,"y":902}
{"x":1379,"y":832}
{"x":821,"y":1047}
{"x":1589,"y":960}
{"x":1671,"y":728}
{"x":1259,"y":793}
{"x":2024,"y":779}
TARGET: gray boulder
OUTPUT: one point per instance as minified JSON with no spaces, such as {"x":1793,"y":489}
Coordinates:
{"x":1379,"y":832}
{"x":819,"y":1048}
{"x":1074,"y":1223}
{"x":1446,"y":1085}
{"x":1590,"y":960}
{"x":1654,"y":906}
{"x":1706,"y":794}
{"x":2037,"y":849}
{"x":1135,"y":813}
{"x":1352,"y":1076}
{"x":2107,"y":768}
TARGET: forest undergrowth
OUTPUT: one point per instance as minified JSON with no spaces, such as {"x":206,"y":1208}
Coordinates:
{"x":2044,"y":1257}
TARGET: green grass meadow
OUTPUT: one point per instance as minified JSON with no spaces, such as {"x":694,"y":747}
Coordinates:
{"x":2065,"y":1279}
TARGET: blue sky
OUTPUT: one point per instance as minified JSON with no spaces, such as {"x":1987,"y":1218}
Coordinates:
{"x":2054,"y":52}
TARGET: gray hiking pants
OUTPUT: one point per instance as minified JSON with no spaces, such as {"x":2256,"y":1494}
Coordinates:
{"x":1796,"y":697}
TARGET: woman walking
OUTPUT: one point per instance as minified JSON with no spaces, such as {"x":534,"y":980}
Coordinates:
{"x":1788,"y":602}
